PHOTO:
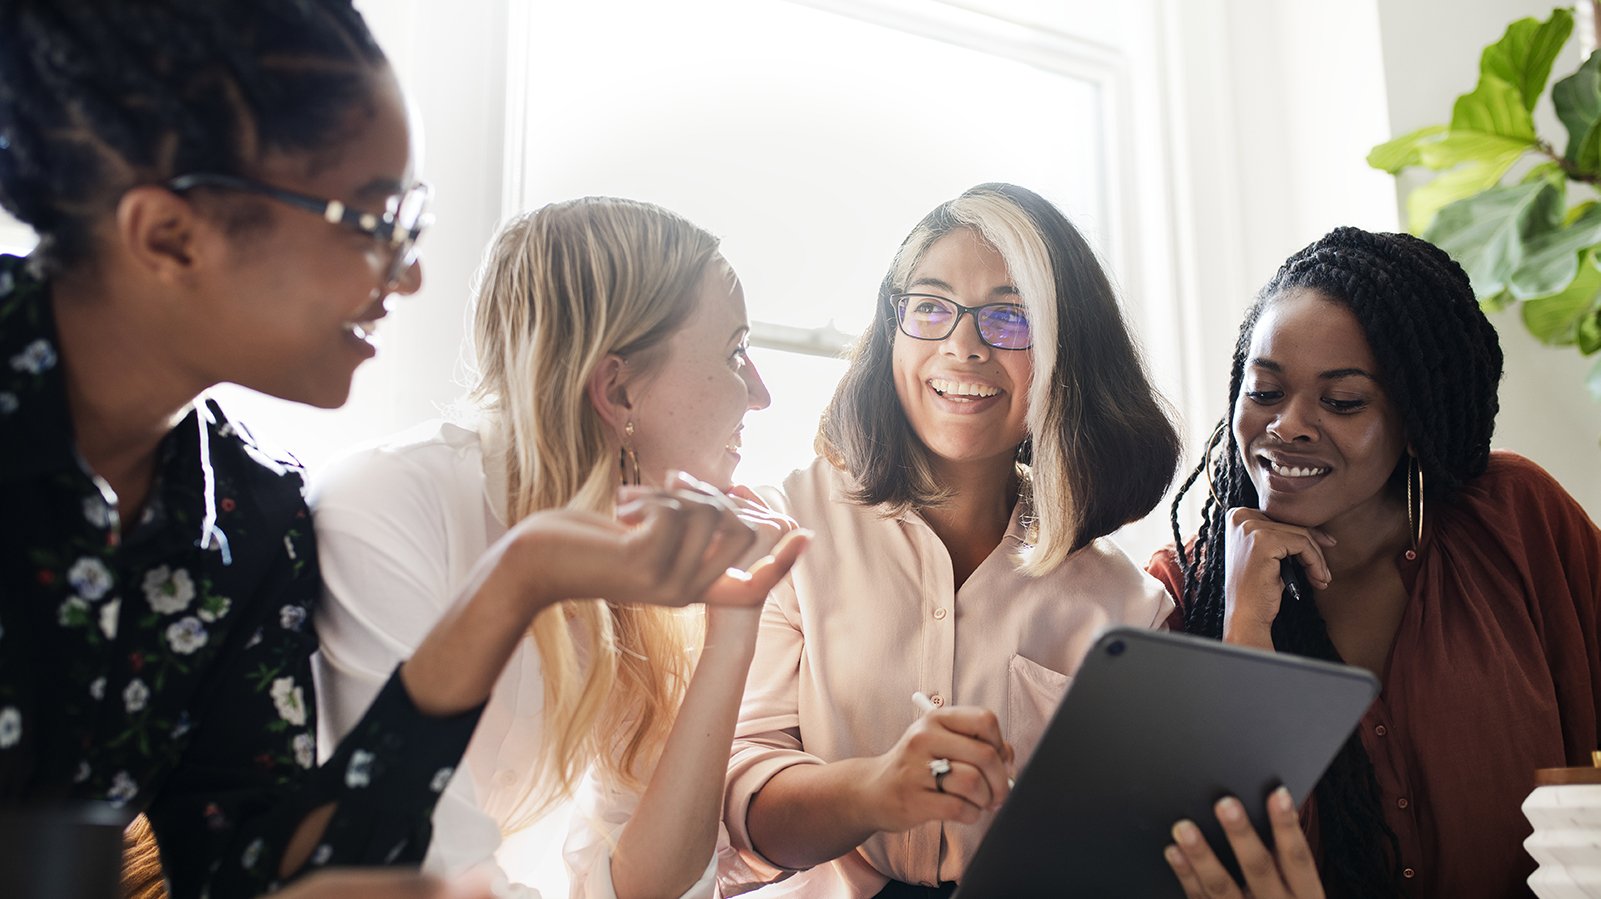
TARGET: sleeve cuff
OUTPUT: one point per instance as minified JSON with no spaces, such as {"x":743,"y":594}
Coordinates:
{"x":398,"y":757}
{"x":750,"y":768}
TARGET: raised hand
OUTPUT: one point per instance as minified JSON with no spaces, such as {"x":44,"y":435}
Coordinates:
{"x":1255,"y":545}
{"x":1286,"y":872}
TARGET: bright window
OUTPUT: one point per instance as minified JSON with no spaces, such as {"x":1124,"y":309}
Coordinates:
{"x":810,"y":141}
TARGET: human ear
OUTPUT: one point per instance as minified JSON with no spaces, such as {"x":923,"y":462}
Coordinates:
{"x":608,"y":391}
{"x":164,"y":235}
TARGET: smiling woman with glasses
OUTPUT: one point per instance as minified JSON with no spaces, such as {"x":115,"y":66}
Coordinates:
{"x":994,"y":425}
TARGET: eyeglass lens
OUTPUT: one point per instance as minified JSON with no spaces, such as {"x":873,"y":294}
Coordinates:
{"x":1001,"y":325}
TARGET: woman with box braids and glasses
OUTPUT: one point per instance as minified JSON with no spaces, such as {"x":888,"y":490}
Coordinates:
{"x":223,"y":192}
{"x":1357,"y":450}
{"x":994,"y":425}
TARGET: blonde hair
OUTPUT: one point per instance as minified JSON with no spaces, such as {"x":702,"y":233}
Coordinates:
{"x":561,"y":289}
{"x":1100,"y":450}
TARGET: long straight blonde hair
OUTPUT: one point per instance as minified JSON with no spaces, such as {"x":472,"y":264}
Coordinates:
{"x":562,"y":288}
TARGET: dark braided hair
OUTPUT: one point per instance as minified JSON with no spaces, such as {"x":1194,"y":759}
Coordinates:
{"x":99,"y":96}
{"x":1439,"y":362}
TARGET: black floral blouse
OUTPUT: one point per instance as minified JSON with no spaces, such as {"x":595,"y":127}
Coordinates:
{"x":166,"y":667}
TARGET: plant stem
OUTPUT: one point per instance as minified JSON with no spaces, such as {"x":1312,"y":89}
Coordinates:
{"x":1568,"y":169}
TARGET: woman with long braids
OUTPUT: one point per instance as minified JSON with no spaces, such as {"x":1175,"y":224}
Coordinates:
{"x":1355,"y":512}
{"x":223,"y":191}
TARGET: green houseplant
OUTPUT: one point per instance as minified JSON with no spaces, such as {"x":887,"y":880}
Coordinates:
{"x":1519,"y":215}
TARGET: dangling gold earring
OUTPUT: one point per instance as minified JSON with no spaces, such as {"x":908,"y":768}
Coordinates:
{"x":1206,"y":459}
{"x":1414,"y":505}
{"x":628,"y":462}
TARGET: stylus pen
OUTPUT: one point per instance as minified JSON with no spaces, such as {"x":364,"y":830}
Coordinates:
{"x":1287,"y":572}
{"x":926,"y":705}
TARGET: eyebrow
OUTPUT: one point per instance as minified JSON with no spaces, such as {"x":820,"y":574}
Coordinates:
{"x":1005,"y":290}
{"x":1332,"y":374}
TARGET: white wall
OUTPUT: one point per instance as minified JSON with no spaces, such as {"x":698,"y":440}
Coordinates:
{"x":1431,"y":54}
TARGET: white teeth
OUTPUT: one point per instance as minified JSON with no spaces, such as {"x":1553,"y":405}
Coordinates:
{"x":957,"y":388}
{"x":1291,"y":471}
{"x":366,"y":332}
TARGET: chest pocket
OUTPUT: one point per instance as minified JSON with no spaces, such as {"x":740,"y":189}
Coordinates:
{"x":1032,"y":694}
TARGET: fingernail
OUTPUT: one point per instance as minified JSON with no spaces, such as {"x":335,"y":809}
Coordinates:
{"x":1230,"y":810}
{"x":1174,"y":856}
{"x":1282,"y":801}
{"x":1187,"y":833}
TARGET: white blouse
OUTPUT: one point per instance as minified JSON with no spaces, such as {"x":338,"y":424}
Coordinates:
{"x":399,"y":528}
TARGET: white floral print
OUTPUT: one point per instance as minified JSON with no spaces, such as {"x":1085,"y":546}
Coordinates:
{"x":108,"y":618}
{"x":214,"y":607}
{"x":168,"y":591}
{"x":82,"y":773}
{"x":441,"y":779}
{"x":289,"y":546}
{"x":96,"y":512}
{"x":186,"y":635}
{"x":97,"y":689}
{"x":73,"y":612}
{"x":135,"y":695}
{"x":290,"y":700}
{"x":323,"y":853}
{"x":359,"y":772}
{"x":123,"y":788}
{"x":89,"y":577}
{"x":35,"y":358}
{"x":305,"y":750}
{"x":10,"y":727}
{"x":8,"y":402}
{"x":253,"y":853}
{"x":292,"y":617}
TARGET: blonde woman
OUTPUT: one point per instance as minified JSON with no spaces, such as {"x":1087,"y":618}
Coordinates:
{"x":611,"y":342}
{"x":994,"y":425}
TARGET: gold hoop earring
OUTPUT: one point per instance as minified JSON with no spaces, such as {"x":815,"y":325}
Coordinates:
{"x":628,"y":462}
{"x":1414,"y":506}
{"x":1206,"y":459}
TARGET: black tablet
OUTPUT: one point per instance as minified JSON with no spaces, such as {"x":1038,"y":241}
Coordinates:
{"x":1156,"y":727}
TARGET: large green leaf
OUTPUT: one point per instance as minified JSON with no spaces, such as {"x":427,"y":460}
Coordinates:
{"x":1523,"y":56}
{"x":1464,"y":181}
{"x":1555,"y":319}
{"x":1589,"y":332}
{"x":1486,"y":233}
{"x":1577,"y":99}
{"x":1551,"y":260}
{"x":1494,"y":107}
{"x":1458,"y":147}
{"x":1394,"y":155}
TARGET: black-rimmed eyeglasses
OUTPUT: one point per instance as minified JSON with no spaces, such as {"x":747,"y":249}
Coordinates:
{"x":397,"y":229}
{"x":927,"y":316}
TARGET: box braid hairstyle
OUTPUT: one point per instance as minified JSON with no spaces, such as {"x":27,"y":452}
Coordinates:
{"x":100,"y":96}
{"x":1439,"y":362}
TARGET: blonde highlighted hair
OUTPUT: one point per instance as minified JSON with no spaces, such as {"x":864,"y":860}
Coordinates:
{"x":1101,"y":449}
{"x":561,"y":289}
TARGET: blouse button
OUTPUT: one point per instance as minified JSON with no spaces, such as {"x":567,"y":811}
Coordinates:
{"x":1401,"y":803}
{"x":939,"y":614}
{"x":937,"y":699}
{"x":1408,"y":873}
{"x":1381,"y":730}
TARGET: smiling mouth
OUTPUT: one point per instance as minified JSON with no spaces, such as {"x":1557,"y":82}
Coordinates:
{"x":734,"y":442}
{"x":1293,"y":471}
{"x":961,"y":391}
